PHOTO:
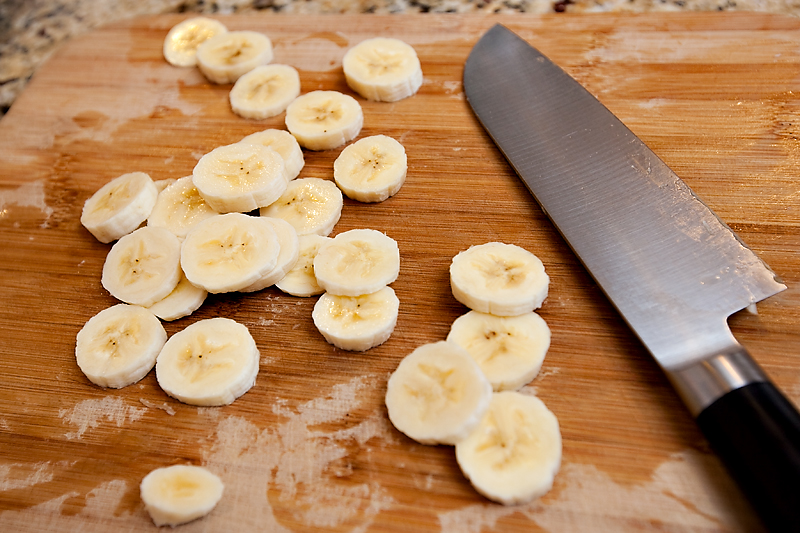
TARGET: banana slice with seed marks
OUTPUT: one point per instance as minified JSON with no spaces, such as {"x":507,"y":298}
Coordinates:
{"x":119,"y":206}
{"x":265,"y":91}
{"x":383,"y":69}
{"x":143,"y":267}
{"x":310,"y":205}
{"x":510,"y":350}
{"x":178,"y":494}
{"x":240,"y":177}
{"x":356,"y":262}
{"x":321,"y":120}
{"x":357,"y":323}
{"x":301,"y":280}
{"x":225,"y":57}
{"x":514,"y":453}
{"x":180,"y":46}
{"x":184,"y":300}
{"x":497,"y":278}
{"x":285,"y":144}
{"x":371,"y":169}
{"x":119,"y":345}
{"x":226,"y":253}
{"x":209,"y":363}
{"x":437,"y":394}
{"x":179,"y":207}
{"x":287,"y":256}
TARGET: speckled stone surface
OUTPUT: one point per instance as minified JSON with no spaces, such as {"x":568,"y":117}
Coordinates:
{"x":31,"y":30}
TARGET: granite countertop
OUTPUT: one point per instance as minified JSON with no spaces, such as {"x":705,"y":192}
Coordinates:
{"x":31,"y":30}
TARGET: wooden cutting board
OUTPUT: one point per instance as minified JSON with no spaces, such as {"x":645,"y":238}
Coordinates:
{"x":310,"y":448}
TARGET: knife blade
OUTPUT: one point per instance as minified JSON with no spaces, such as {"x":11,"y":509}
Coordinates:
{"x":669,"y":265}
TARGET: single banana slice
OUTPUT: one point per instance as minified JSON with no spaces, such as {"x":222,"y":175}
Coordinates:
{"x":287,"y":257}
{"x":321,"y":120}
{"x":119,"y":206}
{"x":301,"y":280}
{"x":178,"y":494}
{"x":180,"y":46}
{"x":211,"y":362}
{"x":225,"y":57}
{"x":515,"y":452}
{"x":240,"y":177}
{"x":310,"y":205}
{"x":285,"y":144}
{"x":356,"y":262}
{"x":184,"y":300}
{"x":179,"y":207}
{"x":437,"y":394}
{"x":501,"y":279}
{"x":119,"y":345}
{"x":371,"y":169}
{"x":143,"y":267}
{"x":357,"y":323}
{"x":383,"y":69}
{"x":509,"y":350}
{"x":226,"y":253}
{"x":265,"y":91}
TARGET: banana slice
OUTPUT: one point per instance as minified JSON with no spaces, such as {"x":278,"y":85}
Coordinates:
{"x":509,"y":350}
{"x":357,"y":323}
{"x":371,"y":169}
{"x":285,"y":144}
{"x":178,"y":494}
{"x":184,"y":300}
{"x":311,"y":205}
{"x":301,"y":280}
{"x":143,"y":267}
{"x":515,"y":452}
{"x":119,"y":345}
{"x":321,"y":120}
{"x":383,"y":69}
{"x":179,"y":207}
{"x":163,"y":184}
{"x":240,"y":177}
{"x":437,"y":394}
{"x":501,"y":279}
{"x":225,"y":57}
{"x":180,"y":46}
{"x":356,"y":262}
{"x":226,"y":253}
{"x":265,"y":91}
{"x":209,"y":363}
{"x":287,"y":257}
{"x":119,"y":206}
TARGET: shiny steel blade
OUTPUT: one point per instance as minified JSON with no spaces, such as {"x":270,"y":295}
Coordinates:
{"x":670,"y":266}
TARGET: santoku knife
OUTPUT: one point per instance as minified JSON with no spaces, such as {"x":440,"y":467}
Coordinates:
{"x":670,"y":266}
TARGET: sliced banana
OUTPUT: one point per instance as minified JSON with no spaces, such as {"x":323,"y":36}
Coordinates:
{"x":437,"y":394}
{"x":143,"y":267}
{"x":119,"y":345}
{"x":357,"y":323}
{"x":310,"y":205}
{"x":226,"y":253}
{"x":164,"y":183}
{"x":510,"y":350}
{"x":265,"y":91}
{"x":179,"y":207}
{"x":301,"y":280}
{"x":514,"y":454}
{"x":356,"y":262}
{"x":240,"y":177}
{"x":211,"y":362}
{"x":497,"y":278}
{"x":119,"y":206}
{"x":178,"y":494}
{"x":180,"y":46}
{"x":225,"y":57}
{"x":287,"y":257}
{"x":184,"y":300}
{"x":371,"y":169}
{"x":383,"y":69}
{"x":285,"y":144}
{"x":321,"y":120}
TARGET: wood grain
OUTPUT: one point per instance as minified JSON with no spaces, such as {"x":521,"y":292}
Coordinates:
{"x":309,"y":448}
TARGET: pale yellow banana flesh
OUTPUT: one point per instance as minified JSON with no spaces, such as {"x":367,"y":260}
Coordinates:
{"x":357,"y":323}
{"x":178,"y":494}
{"x":120,"y":206}
{"x":322,"y":120}
{"x":285,"y":144}
{"x":301,"y":280}
{"x":383,"y":69}
{"x":183,"y":39}
{"x":265,"y":91}
{"x":371,"y":169}
{"x":179,"y":207}
{"x":310,"y":205}
{"x":225,"y":57}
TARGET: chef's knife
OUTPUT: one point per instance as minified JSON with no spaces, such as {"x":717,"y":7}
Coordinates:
{"x":670,"y":266}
